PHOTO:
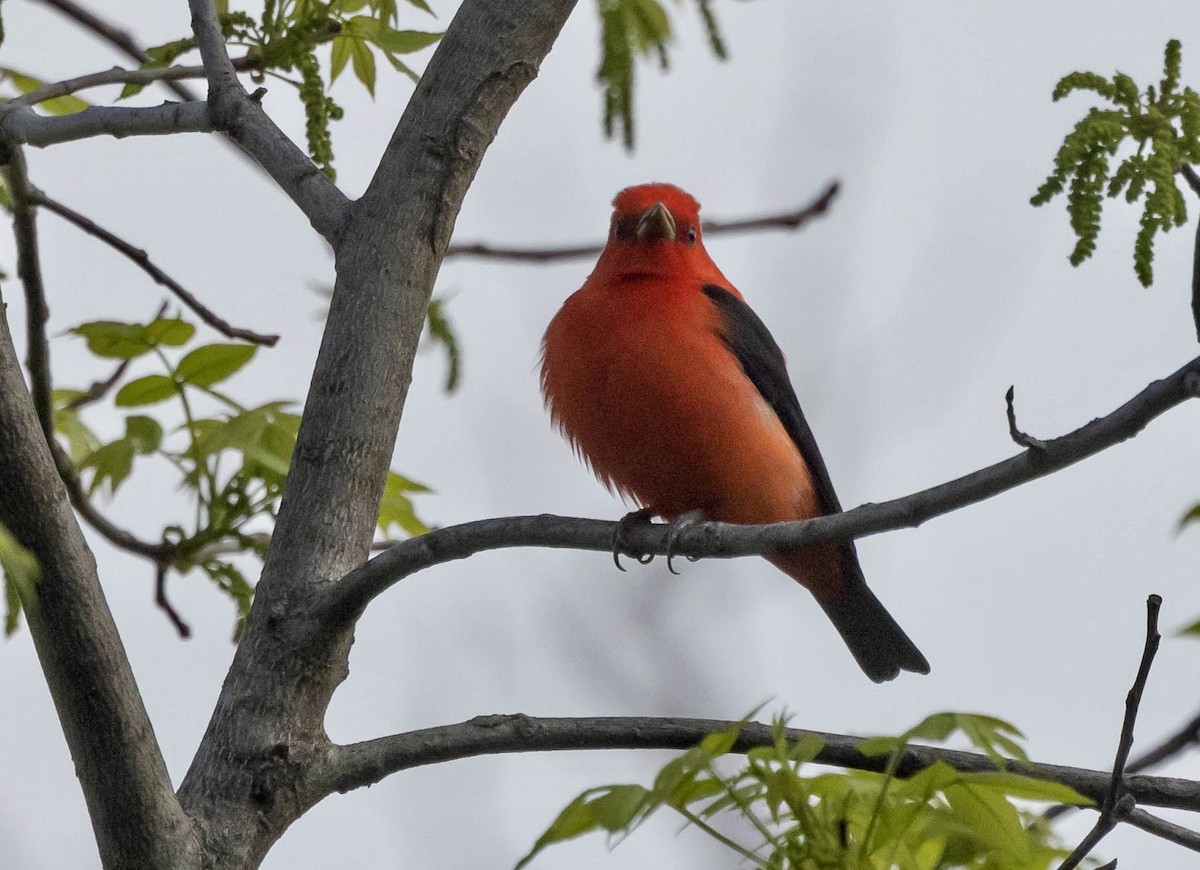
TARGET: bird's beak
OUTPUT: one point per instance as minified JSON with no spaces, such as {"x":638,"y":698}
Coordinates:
{"x":656,"y":223}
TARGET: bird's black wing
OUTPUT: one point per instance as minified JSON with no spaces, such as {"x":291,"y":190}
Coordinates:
{"x":749,"y":340}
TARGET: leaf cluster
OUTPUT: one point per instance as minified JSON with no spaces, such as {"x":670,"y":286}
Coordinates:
{"x":1164,"y":124}
{"x":852,"y":820}
{"x":231,"y":463}
{"x":637,"y":28}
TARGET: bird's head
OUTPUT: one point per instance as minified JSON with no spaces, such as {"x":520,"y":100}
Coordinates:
{"x":655,"y":213}
{"x":656,"y":231}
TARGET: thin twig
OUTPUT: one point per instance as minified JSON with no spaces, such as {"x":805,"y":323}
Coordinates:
{"x":116,"y":37}
{"x":1177,"y":834}
{"x":787,"y":220}
{"x":143,"y":261}
{"x":1193,"y":181}
{"x":1118,"y":803}
{"x":1186,"y":737}
{"x":1021,"y":438}
{"x":29,"y":268}
{"x":118,"y":76}
{"x":160,"y":598}
{"x":42,"y":389}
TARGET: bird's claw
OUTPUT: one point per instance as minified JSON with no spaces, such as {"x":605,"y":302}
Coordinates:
{"x":678,"y":526}
{"x":626,"y":524}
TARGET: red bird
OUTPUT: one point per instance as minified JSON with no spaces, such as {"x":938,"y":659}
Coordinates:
{"x":675,"y":393}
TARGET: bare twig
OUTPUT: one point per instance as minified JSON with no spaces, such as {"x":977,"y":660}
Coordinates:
{"x":1177,"y":834}
{"x":1185,"y":738}
{"x":114,"y":36}
{"x":1193,"y":181}
{"x":143,"y":261}
{"x":1118,"y":804}
{"x":723,"y":540}
{"x":29,"y":268}
{"x":118,"y":76}
{"x":98,"y":389}
{"x":790,"y":220}
{"x":164,"y":604}
{"x":1021,"y":439}
{"x":42,"y":389}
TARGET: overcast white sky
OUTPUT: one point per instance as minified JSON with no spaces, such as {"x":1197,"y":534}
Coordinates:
{"x":905,"y":314}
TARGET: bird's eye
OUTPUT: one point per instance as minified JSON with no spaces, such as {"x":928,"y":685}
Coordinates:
{"x":691,"y":235}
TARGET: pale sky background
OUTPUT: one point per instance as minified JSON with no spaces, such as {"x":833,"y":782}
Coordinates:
{"x":905,"y":314}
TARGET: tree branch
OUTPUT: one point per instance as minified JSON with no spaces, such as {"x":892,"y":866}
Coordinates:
{"x":790,"y":220}
{"x":248,"y":779}
{"x":346,"y":599}
{"x":114,"y":36}
{"x":1177,"y":834}
{"x":234,"y":111}
{"x":1193,"y":181}
{"x":119,"y":76}
{"x":137,"y":820}
{"x":29,"y":268}
{"x":22,"y":125}
{"x":362,"y":764}
{"x":143,"y":261}
{"x":1118,"y":804}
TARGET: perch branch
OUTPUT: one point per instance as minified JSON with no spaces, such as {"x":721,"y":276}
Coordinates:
{"x":348,"y":597}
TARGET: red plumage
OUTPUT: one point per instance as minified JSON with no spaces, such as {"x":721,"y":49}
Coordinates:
{"x":677,"y":396}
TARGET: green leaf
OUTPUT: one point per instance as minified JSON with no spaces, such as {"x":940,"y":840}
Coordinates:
{"x":146,"y":391}
{"x":396,"y":509}
{"x":1027,"y":788}
{"x":342,"y":46}
{"x":169,"y":331}
{"x":405,"y":41}
{"x":575,"y":819}
{"x":144,"y":433}
{"x":114,"y":339}
{"x":363,"y":61}
{"x":111,"y":463}
{"x":1190,"y":517}
{"x":21,"y":572}
{"x":618,"y":807}
{"x":213,"y":363}
{"x":441,"y":332}
{"x":991,"y":819}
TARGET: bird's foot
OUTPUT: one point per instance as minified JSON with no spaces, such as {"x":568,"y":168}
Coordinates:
{"x":625,"y":525}
{"x":678,"y":526}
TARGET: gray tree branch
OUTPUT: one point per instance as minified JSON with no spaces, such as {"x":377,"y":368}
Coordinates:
{"x":134,"y":812}
{"x":250,"y":777}
{"x":361,"y":764}
{"x":234,"y":112}
{"x":22,"y":125}
{"x":346,"y":599}
{"x":789,"y":220}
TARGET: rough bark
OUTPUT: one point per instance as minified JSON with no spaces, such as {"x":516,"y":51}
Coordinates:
{"x":137,"y":821}
{"x":253,"y":774}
